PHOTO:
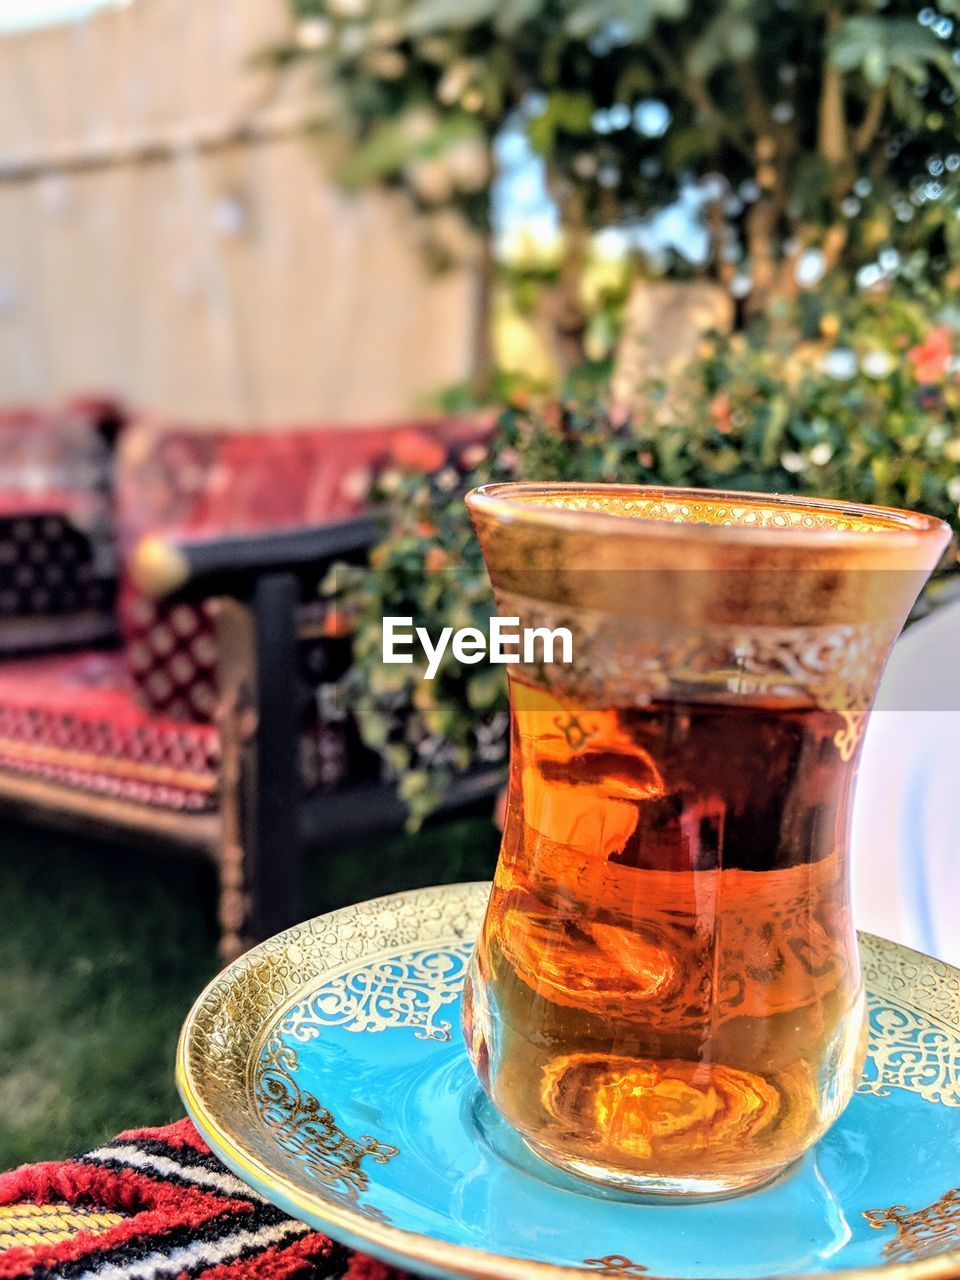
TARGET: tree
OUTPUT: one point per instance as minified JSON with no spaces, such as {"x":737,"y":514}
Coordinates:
{"x":819,"y":136}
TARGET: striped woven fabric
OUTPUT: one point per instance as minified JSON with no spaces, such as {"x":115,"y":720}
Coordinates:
{"x":154,"y":1204}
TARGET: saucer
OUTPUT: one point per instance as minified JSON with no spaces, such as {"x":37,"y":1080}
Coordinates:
{"x":327,"y":1069}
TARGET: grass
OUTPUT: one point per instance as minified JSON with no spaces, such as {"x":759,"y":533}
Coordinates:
{"x":102,"y":951}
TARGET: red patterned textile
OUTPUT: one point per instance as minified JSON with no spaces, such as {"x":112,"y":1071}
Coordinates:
{"x":137,"y":724}
{"x":219,"y":481}
{"x":73,"y":718}
{"x":172,"y":654}
{"x":60,"y":502}
{"x":172,"y":1210}
{"x":216,"y":482}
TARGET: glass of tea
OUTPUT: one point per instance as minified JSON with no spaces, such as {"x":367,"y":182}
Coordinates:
{"x":666,"y":995}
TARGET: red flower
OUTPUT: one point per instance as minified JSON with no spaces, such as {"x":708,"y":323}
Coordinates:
{"x":416,"y":451}
{"x":336,"y":625}
{"x":932,"y":356}
{"x":720,"y":412}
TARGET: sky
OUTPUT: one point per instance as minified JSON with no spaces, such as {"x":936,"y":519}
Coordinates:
{"x":17,"y":14}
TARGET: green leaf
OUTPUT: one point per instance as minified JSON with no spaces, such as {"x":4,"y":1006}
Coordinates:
{"x":573,"y":111}
{"x":586,"y":17}
{"x":682,"y":147}
{"x":907,"y":107}
{"x":880,"y":47}
{"x":382,"y":154}
{"x":540,"y":133}
{"x":511,"y":15}
{"x":567,"y":112}
{"x":811,"y":184}
{"x":741,"y":40}
{"x":398,"y":756}
{"x":875,"y":67}
{"x":637,"y":81}
{"x":439,"y":15}
{"x":854,"y":40}
{"x":725,"y":461}
{"x":485,"y":690}
{"x":728,"y":37}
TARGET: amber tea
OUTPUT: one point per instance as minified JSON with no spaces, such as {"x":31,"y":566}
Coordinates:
{"x":669,"y":977}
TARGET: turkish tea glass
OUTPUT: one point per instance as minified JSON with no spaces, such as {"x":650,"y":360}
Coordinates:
{"x":666,"y":994}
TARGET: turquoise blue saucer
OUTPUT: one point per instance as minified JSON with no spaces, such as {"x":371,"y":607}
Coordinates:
{"x":327,"y":1069}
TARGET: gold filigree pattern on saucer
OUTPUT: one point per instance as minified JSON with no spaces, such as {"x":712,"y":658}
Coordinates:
{"x":911,"y":1047}
{"x":229,"y":1032}
{"x":614,"y":1264}
{"x":241,"y":1084}
{"x":407,"y":990}
{"x":922,"y":1233}
{"x":298,"y":1123}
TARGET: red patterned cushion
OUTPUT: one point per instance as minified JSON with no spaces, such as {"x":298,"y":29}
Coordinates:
{"x":172,"y":654}
{"x":218,"y":481}
{"x":191,"y":481}
{"x":73,"y":718}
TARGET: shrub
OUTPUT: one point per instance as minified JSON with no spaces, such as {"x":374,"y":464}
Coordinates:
{"x":869,"y":412}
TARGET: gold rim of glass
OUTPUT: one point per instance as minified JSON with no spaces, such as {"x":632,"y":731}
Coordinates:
{"x":710,"y":514}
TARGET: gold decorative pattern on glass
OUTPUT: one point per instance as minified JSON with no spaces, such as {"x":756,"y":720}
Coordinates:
{"x":723,"y":510}
{"x":834,"y":668}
